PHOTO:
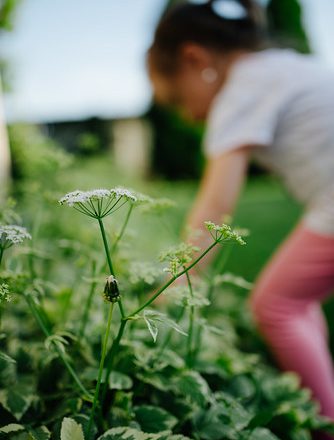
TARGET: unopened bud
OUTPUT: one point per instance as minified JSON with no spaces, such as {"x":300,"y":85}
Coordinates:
{"x":111,"y":292}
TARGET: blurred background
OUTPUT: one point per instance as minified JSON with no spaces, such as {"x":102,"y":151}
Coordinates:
{"x":78,"y":111}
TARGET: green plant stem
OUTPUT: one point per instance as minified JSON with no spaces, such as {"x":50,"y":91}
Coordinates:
{"x":121,"y":233}
{"x":106,"y":248}
{"x":1,"y":254}
{"x":88,"y":302}
{"x":219,"y":269}
{"x":111,"y":356}
{"x":189,"y":359}
{"x":116,"y":343}
{"x":198,"y":342}
{"x":166,"y":285}
{"x":47,"y":333}
{"x":99,"y":378}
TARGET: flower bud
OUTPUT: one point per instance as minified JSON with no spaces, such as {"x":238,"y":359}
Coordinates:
{"x":111,"y":292}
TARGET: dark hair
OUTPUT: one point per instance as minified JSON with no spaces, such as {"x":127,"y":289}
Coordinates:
{"x":201,"y":24}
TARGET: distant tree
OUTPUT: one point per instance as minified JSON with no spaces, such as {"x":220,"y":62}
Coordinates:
{"x":7,"y":10}
{"x":286,"y":24}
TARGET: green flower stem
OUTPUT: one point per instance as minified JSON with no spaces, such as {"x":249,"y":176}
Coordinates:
{"x":121,"y":233}
{"x":1,"y":254}
{"x":116,"y":343}
{"x":189,"y":356}
{"x":99,"y":378}
{"x":111,"y":356}
{"x":106,"y":248}
{"x":164,"y":287}
{"x":47,"y":333}
{"x":219,"y":269}
{"x":88,"y":302}
{"x":198,"y":342}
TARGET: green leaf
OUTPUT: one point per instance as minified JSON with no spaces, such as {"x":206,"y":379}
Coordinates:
{"x":300,"y":434}
{"x":125,"y":433}
{"x":41,"y":433}
{"x":71,"y":430}
{"x":4,"y":357}
{"x":261,"y":434}
{"x":152,"y":327}
{"x":12,"y":427}
{"x":154,"y":419}
{"x":208,"y":425}
{"x":119,"y":381}
{"x":16,"y":401}
{"x":193,"y":387}
{"x":280,"y":387}
{"x":151,"y":317}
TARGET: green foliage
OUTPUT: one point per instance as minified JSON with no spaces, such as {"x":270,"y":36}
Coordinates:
{"x":71,"y":430}
{"x":286,"y":24}
{"x":49,"y":368}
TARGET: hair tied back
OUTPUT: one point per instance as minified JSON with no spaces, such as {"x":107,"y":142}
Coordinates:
{"x":226,"y":9}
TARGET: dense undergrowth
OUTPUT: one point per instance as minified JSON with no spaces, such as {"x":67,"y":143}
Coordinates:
{"x":85,"y":351}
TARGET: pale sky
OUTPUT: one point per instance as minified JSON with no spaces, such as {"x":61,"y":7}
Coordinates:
{"x":80,"y":58}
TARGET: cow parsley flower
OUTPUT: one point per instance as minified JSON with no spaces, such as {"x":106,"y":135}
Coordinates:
{"x":12,"y":234}
{"x":178,"y":257}
{"x":98,"y":203}
{"x":223,"y":233}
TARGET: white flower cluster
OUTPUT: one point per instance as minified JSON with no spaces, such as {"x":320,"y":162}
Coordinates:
{"x":12,"y":234}
{"x":223,"y":233}
{"x":141,"y":271}
{"x":178,"y":257}
{"x":98,"y":203}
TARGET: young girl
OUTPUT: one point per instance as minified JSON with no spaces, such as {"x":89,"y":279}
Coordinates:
{"x":209,"y":60}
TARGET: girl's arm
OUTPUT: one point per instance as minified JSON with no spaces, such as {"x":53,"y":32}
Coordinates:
{"x":218,"y":193}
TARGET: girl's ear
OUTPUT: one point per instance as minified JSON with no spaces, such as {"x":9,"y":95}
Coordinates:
{"x":195,"y":56}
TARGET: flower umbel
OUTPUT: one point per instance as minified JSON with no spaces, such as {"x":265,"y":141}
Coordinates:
{"x":98,"y":203}
{"x":12,"y":234}
{"x":178,"y":257}
{"x":223,"y":233}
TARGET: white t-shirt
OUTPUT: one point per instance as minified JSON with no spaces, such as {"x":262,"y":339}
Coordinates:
{"x":283,"y":103}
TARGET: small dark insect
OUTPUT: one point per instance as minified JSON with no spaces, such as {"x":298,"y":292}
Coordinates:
{"x":111,"y":292}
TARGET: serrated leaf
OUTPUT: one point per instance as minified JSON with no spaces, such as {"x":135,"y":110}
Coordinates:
{"x":262,"y":434}
{"x":71,"y":430}
{"x":126,"y":433}
{"x":280,"y":387}
{"x":6,"y":358}
{"x":152,"y":328}
{"x":40,"y":433}
{"x":119,"y":381}
{"x":123,"y":433}
{"x":12,"y":427}
{"x":151,"y":317}
{"x":153,"y":419}
{"x":16,"y":401}
{"x":193,"y":387}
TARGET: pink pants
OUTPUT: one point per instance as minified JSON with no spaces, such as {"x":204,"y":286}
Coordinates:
{"x":286,"y":305}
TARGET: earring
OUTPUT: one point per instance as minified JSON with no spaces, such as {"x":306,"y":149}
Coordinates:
{"x":209,"y":75}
